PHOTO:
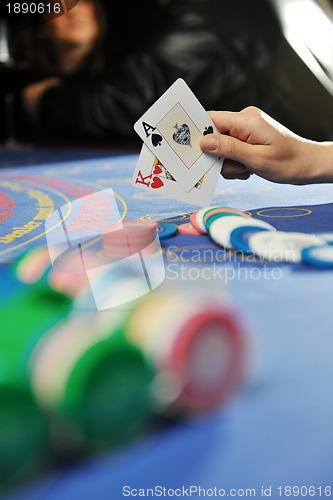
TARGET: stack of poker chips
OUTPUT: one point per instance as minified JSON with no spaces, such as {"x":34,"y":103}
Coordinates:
{"x":195,"y":344}
{"x":25,"y":316}
{"x":100,"y":395}
{"x":133,"y":236}
{"x":97,"y":378}
{"x":169,"y":353}
{"x":236,"y":230}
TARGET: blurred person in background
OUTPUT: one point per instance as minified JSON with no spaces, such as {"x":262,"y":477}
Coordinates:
{"x":92,"y":72}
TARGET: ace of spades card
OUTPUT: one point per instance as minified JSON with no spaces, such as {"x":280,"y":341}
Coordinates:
{"x":172,"y":128}
{"x":152,"y":176}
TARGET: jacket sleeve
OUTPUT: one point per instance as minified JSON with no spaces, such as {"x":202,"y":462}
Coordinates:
{"x":108,"y":106}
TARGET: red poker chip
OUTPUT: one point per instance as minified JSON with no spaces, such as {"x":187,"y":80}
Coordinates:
{"x":223,"y":211}
{"x":188,"y":228}
{"x":193,"y":219}
{"x":208,"y":356}
{"x":132,"y":238}
{"x":131,"y":230}
{"x":149,"y":223}
{"x":135,"y":229}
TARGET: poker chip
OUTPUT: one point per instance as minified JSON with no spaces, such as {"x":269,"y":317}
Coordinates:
{"x":208,"y":356}
{"x":197,"y":219}
{"x":133,"y":229}
{"x":328,"y":237}
{"x":319,"y":256}
{"x":32,"y":265}
{"x":149,"y":223}
{"x":221,"y":229}
{"x":103,"y":384}
{"x":213,"y":217}
{"x":216,"y":213}
{"x":188,"y":228}
{"x":25,"y":316}
{"x":19,"y":412}
{"x":166,"y":229}
{"x":282,"y":246}
{"x":239,"y":237}
{"x":68,"y":273}
{"x":196,"y":346}
{"x":120,"y":242}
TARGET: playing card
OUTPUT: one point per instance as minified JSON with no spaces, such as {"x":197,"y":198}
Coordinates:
{"x":172,"y":129}
{"x":151,"y":175}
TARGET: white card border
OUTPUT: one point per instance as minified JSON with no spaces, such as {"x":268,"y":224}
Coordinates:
{"x":199,"y":197}
{"x":187,"y":178}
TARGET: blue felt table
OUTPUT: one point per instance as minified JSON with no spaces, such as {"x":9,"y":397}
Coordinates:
{"x":279,"y":430}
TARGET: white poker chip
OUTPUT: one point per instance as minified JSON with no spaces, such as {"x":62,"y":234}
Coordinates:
{"x":282,"y":246}
{"x":221,"y":229}
{"x":328,"y":237}
{"x":319,"y":256}
{"x":197,"y":219}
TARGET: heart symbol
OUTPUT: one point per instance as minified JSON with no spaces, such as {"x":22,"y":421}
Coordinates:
{"x":208,"y":130}
{"x":156,"y":139}
{"x":157,"y":170}
{"x":157,"y":183}
{"x":182,"y":135}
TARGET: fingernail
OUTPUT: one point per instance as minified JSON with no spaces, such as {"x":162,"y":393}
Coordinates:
{"x":209,"y":143}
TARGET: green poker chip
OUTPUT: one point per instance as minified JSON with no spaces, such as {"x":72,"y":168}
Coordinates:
{"x":23,"y":434}
{"x":212,"y":218}
{"x":107,"y":394}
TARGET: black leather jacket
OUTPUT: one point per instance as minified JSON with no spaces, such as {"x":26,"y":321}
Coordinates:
{"x":224,"y":50}
{"x":185,"y":42}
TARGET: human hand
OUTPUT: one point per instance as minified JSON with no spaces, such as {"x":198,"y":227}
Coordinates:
{"x":253,"y":142}
{"x":32,"y":94}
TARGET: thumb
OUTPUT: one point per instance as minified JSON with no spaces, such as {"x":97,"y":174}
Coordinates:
{"x":228,"y":147}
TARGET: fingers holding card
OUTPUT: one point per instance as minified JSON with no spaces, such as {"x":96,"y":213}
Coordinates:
{"x":172,"y":129}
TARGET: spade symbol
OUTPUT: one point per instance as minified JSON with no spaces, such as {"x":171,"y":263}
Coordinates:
{"x":156,"y":139}
{"x":208,"y":130}
{"x":182,"y":135}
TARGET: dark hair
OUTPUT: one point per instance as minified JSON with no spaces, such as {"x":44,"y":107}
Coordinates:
{"x":37,"y":51}
{"x":123,"y":29}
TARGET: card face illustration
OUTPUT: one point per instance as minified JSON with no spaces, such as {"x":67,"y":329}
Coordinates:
{"x":172,"y":129}
{"x":182,"y":135}
{"x":152,"y":175}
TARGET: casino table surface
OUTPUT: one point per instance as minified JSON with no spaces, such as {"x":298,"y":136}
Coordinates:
{"x":277,"y":431}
